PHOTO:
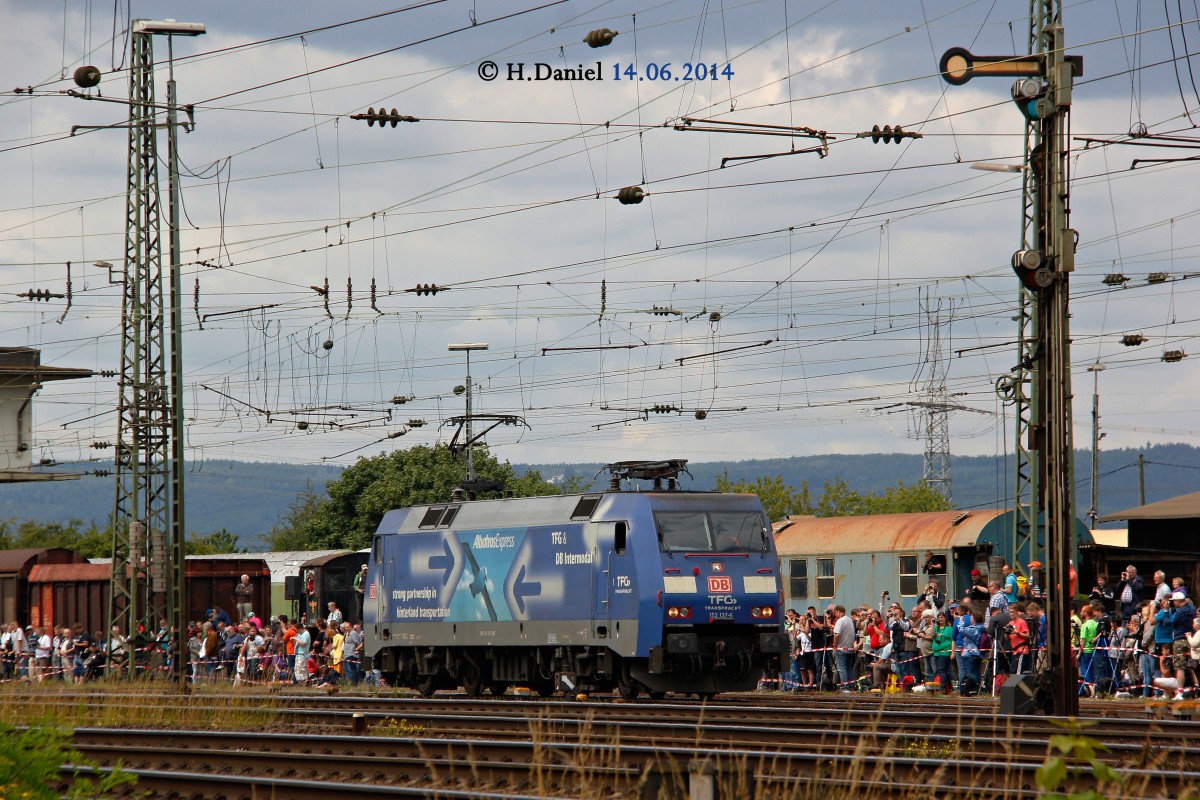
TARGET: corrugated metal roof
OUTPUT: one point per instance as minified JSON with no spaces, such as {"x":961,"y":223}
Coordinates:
{"x":49,"y":573}
{"x":1185,"y":506}
{"x":281,"y":562}
{"x":1111,"y":537}
{"x":936,"y":530}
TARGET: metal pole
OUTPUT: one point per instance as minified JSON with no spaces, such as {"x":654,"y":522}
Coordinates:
{"x":471,"y":444}
{"x":177,"y":548}
{"x":1095,"y":369}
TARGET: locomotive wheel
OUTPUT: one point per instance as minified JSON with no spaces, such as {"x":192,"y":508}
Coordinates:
{"x":627,"y":686}
{"x":427,"y":685}
{"x":497,"y":688}
{"x":472,"y":682}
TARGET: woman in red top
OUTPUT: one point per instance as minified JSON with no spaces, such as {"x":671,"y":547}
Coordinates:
{"x":879,"y":640}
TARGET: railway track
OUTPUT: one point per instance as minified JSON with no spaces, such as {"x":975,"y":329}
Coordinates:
{"x":517,"y":747}
{"x":251,"y":764}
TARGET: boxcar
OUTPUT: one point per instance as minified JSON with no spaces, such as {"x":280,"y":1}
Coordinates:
{"x":65,"y":593}
{"x":15,"y":567}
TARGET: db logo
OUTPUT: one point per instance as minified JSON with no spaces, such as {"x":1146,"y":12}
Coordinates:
{"x":372,"y":591}
{"x":720,"y":584}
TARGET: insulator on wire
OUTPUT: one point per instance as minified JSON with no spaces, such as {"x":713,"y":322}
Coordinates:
{"x":701,"y":413}
{"x":101,"y":445}
{"x":601,"y":37}
{"x":1173,"y":356}
{"x":86,"y":77}
{"x":426,"y":288}
{"x":663,"y":409}
{"x":1156,"y":277}
{"x":1115,"y":279}
{"x":383,"y":117}
{"x":887,"y":134}
{"x":631,"y":195}
{"x":416,"y":423}
{"x":1133,"y":339}
{"x":401,"y":399}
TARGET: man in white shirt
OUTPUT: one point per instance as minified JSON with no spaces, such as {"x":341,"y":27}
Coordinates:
{"x":41,"y":656}
{"x":20,"y":651}
{"x":843,"y":642}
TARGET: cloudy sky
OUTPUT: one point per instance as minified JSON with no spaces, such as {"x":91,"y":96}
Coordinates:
{"x":800,"y":302}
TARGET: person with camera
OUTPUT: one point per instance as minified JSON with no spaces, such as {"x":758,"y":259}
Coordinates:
{"x":997,"y":626}
{"x":1129,"y":591}
{"x":1019,"y":637}
{"x":971,"y":654}
{"x":934,"y":597}
{"x":818,"y":634}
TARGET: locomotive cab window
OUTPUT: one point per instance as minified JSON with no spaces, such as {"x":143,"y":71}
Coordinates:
{"x":619,"y":535}
{"x":711,"y":532}
{"x":908,"y":576}
{"x":433,"y":516}
{"x":377,"y":550}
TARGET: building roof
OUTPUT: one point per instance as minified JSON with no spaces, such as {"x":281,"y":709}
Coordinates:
{"x":1185,"y":506}
{"x":935,"y":530}
{"x":25,"y":362}
{"x":282,"y":563}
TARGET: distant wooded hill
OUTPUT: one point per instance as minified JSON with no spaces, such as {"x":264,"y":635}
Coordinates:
{"x":247,"y":498}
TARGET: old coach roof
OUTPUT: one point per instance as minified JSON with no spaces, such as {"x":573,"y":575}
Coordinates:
{"x":935,"y":530}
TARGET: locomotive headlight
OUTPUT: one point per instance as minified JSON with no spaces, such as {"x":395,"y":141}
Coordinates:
{"x":756,"y":612}
{"x":762,"y":612}
{"x":679,"y":612}
{"x":672,"y":612}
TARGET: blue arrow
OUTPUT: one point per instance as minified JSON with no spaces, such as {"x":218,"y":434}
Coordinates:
{"x":521,"y":589}
{"x":445,"y":562}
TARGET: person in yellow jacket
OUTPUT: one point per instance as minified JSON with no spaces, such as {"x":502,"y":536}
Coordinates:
{"x":335,"y":651}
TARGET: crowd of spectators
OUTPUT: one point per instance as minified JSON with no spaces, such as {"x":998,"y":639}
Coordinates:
{"x":327,"y":650}
{"x":1128,"y":638}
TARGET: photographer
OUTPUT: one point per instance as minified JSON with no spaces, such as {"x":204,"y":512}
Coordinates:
{"x":934,"y":597}
{"x":1129,"y":591}
{"x":1018,"y":640}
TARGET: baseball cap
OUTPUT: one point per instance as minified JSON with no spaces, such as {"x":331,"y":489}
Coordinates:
{"x":1178,"y":596}
{"x":975,"y":573}
{"x":1035,"y":565}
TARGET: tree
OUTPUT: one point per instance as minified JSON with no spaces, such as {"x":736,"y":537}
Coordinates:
{"x":839,"y":500}
{"x":357,"y":500}
{"x":91,"y":541}
{"x":221,"y":541}
{"x":778,"y":499}
{"x":901,"y":499}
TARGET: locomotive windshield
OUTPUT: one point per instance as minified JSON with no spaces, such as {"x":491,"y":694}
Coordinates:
{"x":710,"y":531}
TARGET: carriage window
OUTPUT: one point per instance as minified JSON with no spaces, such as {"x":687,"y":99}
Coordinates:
{"x":711,"y":532}
{"x":799,"y":580}
{"x":619,"y":537}
{"x":826,"y":587}
{"x":908,"y":576}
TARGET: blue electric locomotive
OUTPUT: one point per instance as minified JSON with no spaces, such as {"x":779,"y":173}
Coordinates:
{"x":658,"y":590}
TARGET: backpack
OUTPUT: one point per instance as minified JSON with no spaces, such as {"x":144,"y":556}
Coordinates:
{"x":1022,"y":585}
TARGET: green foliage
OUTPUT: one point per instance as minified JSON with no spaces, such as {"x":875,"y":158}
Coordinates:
{"x":357,"y":500}
{"x":90,"y":540}
{"x":778,"y":499}
{"x":901,"y":499}
{"x":30,"y":760}
{"x":1073,"y":756}
{"x":837,"y":499}
{"x":215,"y":543}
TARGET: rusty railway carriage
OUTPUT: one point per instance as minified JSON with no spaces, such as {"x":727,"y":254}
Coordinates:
{"x":61,"y":594}
{"x":659,"y":590}
{"x":15,"y":568}
{"x":851,"y":560}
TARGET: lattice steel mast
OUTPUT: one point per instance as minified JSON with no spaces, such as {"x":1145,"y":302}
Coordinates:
{"x":148,"y":524}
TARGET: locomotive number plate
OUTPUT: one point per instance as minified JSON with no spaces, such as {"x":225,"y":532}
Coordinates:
{"x":720,"y":584}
